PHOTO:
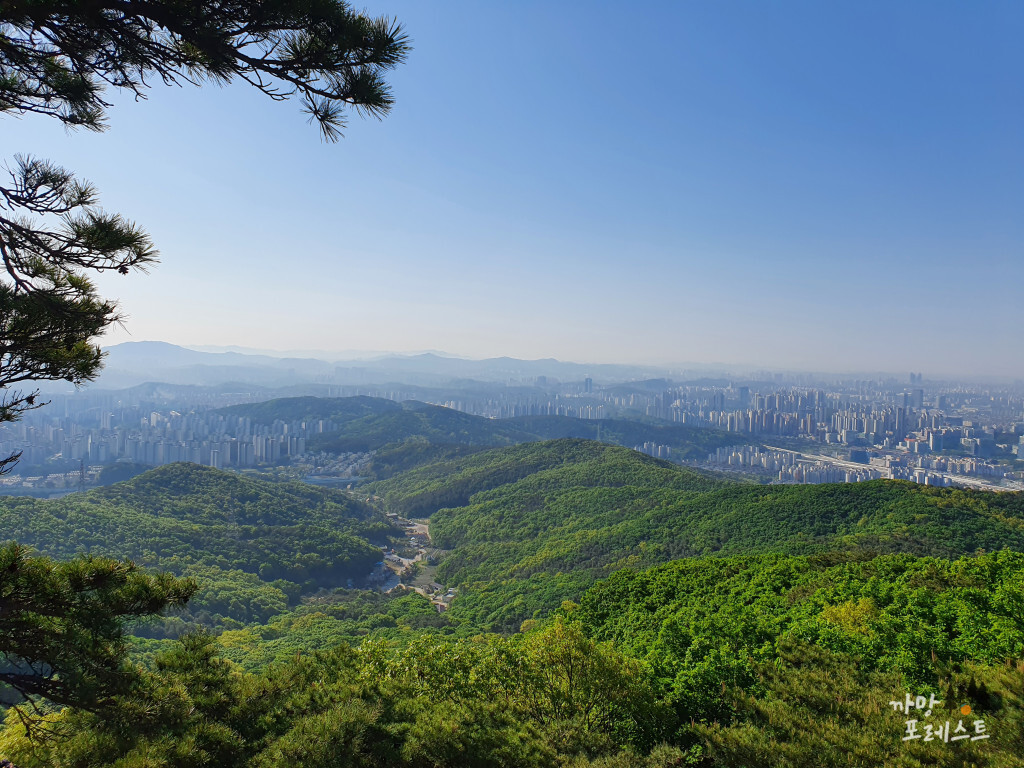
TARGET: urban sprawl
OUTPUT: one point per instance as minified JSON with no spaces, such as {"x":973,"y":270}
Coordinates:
{"x":936,"y":433}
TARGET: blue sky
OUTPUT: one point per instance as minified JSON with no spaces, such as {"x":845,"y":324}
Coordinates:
{"x":826,"y":186}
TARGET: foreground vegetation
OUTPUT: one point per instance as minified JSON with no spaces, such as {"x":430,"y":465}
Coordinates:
{"x":734,"y":674}
{"x":613,"y":610}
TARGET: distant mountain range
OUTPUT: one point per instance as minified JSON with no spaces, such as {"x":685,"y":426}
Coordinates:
{"x":133,"y":363}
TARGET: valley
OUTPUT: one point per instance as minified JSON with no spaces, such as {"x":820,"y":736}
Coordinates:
{"x":690,"y":583}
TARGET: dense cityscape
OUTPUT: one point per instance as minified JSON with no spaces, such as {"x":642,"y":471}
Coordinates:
{"x":795,"y":430}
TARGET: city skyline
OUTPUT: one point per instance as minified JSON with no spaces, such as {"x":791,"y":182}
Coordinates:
{"x":785,"y":431}
{"x":793,"y":187}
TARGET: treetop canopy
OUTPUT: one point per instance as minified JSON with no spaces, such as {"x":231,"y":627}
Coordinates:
{"x":57,"y":57}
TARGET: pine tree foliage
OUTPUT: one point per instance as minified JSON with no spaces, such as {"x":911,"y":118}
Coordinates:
{"x":61,"y":624}
{"x":52,"y":234}
{"x":56,"y":58}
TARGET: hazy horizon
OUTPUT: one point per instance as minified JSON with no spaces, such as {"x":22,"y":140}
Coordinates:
{"x":676,"y":366}
{"x":794,"y":187}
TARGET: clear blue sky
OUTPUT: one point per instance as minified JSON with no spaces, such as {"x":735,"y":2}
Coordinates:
{"x":828,"y":186}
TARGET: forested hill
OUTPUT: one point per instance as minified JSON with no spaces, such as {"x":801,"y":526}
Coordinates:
{"x":529,"y":526}
{"x":686,"y":442}
{"x":451,"y":483}
{"x":255,"y":542}
{"x":205,"y":495}
{"x":433,"y":423}
{"x":368,"y":423}
{"x":341,"y":410}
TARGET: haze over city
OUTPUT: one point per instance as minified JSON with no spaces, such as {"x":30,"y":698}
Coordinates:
{"x":803,"y":186}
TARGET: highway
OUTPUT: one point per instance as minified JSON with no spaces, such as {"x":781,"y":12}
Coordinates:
{"x":977,"y":483}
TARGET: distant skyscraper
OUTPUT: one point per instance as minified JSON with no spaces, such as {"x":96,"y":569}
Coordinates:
{"x":588,"y":385}
{"x":917,"y":399}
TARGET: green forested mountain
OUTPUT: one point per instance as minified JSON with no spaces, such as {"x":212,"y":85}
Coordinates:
{"x":396,"y":458}
{"x":370,"y":423}
{"x":686,"y":442}
{"x":436,"y":424}
{"x":532,"y":525}
{"x":253,"y":544}
{"x":425,"y":489}
{"x":341,"y":410}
